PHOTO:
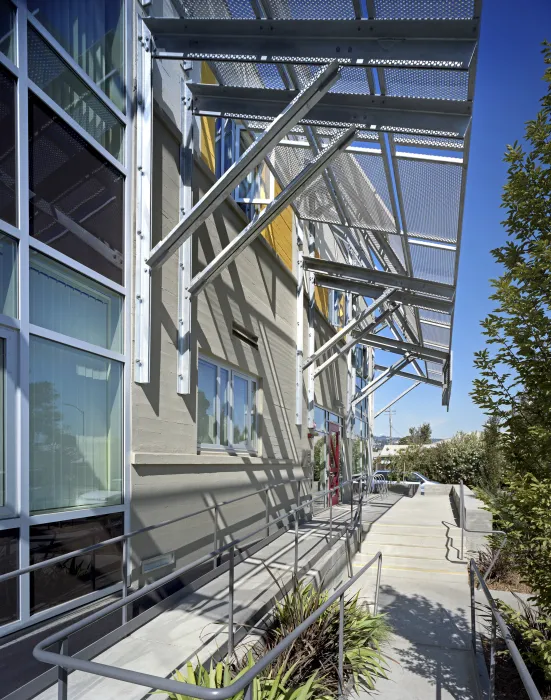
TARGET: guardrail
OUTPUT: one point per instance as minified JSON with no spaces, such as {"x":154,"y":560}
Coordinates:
{"x":64,"y":662}
{"x":497,"y":620}
{"x":465,"y":529}
{"x":126,"y":537}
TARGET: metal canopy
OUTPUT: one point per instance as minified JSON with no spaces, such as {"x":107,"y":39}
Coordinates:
{"x":406,"y":79}
{"x":423,"y":44}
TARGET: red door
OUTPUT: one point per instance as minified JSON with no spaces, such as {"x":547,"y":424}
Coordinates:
{"x":334,"y":459}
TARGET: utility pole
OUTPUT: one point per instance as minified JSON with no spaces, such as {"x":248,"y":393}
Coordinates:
{"x":390,"y":414}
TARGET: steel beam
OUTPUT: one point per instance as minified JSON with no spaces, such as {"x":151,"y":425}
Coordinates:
{"x":419,"y":44}
{"x":357,"y":273}
{"x":144,"y":143}
{"x":354,"y":323}
{"x":283,"y":200}
{"x":383,"y":113}
{"x":401,"y":347}
{"x":380,"y":380}
{"x":291,"y":114}
{"x":373,"y":291}
{"x":416,"y":377}
{"x":354,"y":341}
{"x":400,"y":396}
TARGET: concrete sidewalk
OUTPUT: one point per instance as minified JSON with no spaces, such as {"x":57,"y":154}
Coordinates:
{"x":425,"y":596}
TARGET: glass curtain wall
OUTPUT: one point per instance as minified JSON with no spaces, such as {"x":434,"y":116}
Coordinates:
{"x":322,"y":418}
{"x":64,"y":281}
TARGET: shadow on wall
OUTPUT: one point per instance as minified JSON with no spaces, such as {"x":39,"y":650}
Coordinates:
{"x":435,"y":642}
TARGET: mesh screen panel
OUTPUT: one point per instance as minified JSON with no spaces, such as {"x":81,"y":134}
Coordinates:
{"x":311,"y":9}
{"x":431,"y":194}
{"x":437,"y":316}
{"x":435,"y":84}
{"x":434,"y":264}
{"x":215,"y":9}
{"x":424,"y":9}
{"x":436,"y":334}
{"x":427,"y":141}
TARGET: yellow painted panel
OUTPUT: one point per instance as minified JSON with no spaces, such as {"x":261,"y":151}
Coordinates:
{"x":208,"y":124}
{"x":279,"y":233}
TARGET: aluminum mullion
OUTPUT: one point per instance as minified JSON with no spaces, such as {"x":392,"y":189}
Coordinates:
{"x":284,"y":198}
{"x":299,"y":106}
{"x":142,"y":281}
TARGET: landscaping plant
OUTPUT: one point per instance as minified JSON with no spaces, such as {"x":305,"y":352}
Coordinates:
{"x":317,"y":649}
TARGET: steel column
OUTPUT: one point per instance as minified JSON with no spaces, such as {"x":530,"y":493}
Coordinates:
{"x":300,"y":323}
{"x":311,"y":319}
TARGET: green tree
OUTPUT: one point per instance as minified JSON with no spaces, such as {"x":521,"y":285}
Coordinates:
{"x":514,"y":386}
{"x":418,"y":436}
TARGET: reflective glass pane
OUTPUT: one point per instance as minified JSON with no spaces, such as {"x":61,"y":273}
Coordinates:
{"x":78,"y":576}
{"x":7,"y":29}
{"x":71,"y":93}
{"x":224,"y":399}
{"x":93,"y":34}
{"x":8,"y":276}
{"x":70,"y":303}
{"x":207,"y":433}
{"x":75,"y":428}
{"x":8,"y":185}
{"x":319,"y":419}
{"x":240,"y":411}
{"x":76,"y":196}
{"x":253,"y":416}
{"x":9,"y":561}
{"x":2,"y":422}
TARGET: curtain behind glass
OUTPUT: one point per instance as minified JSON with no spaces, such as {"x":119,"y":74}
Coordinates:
{"x":75,"y":428}
{"x":92,"y":32}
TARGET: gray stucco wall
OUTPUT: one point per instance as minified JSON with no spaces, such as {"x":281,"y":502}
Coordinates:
{"x":169,"y":477}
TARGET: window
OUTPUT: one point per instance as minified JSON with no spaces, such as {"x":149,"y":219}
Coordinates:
{"x":8,"y":364}
{"x":8,"y":187}
{"x":63,"y":85}
{"x":8,"y":276}
{"x":92,"y":33}
{"x":226,"y":408}
{"x":70,"y":303}
{"x":78,"y":576}
{"x":7,"y":29}
{"x":76,"y":196}
{"x":76,"y":433}
{"x":336,"y":308}
{"x":258,"y":186}
{"x":9,"y":561}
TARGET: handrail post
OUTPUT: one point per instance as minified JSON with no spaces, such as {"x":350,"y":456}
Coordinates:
{"x":216,"y":560}
{"x":491,"y":694}
{"x":473,"y":608}
{"x":124,"y":576}
{"x":462,"y":514}
{"x":62,"y":672}
{"x":296,"y":543}
{"x":249,"y":693}
{"x":377,"y":585}
{"x":341,"y":646}
{"x":230,"y":602}
{"x":267,"y":492}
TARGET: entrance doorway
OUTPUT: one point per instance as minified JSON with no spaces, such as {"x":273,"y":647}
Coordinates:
{"x":334,"y":459}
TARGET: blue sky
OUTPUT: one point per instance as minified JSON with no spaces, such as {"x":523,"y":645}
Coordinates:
{"x":508,"y":88}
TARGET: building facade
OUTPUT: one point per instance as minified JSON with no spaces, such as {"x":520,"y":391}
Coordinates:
{"x":89,"y":453}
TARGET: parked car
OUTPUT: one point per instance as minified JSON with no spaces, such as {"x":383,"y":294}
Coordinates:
{"x":381,"y":480}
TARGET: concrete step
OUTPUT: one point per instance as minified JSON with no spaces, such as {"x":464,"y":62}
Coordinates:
{"x":426,"y":530}
{"x":424,"y":563}
{"x":407,"y":540}
{"x":439,"y":553}
{"x":393,"y":570}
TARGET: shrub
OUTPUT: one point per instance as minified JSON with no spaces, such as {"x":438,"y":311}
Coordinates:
{"x":531,"y":632}
{"x":316,"y":650}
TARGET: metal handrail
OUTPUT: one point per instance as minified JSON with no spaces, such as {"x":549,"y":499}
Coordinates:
{"x":64,"y":662}
{"x":63,"y":635}
{"x":140,"y":531}
{"x":464,"y":529}
{"x":497,"y":619}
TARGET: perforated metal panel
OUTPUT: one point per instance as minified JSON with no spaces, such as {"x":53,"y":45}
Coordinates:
{"x":436,"y":334}
{"x":434,"y":264}
{"x":424,"y":9}
{"x":426,"y":141}
{"x":436,"y":84}
{"x":213,"y":9}
{"x":311,"y":9}
{"x":431,"y":194}
{"x":435,"y":316}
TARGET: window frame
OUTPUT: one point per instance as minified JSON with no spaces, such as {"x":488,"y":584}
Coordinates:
{"x":252,"y":419}
{"x":10,"y":509}
{"x":236,"y":151}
